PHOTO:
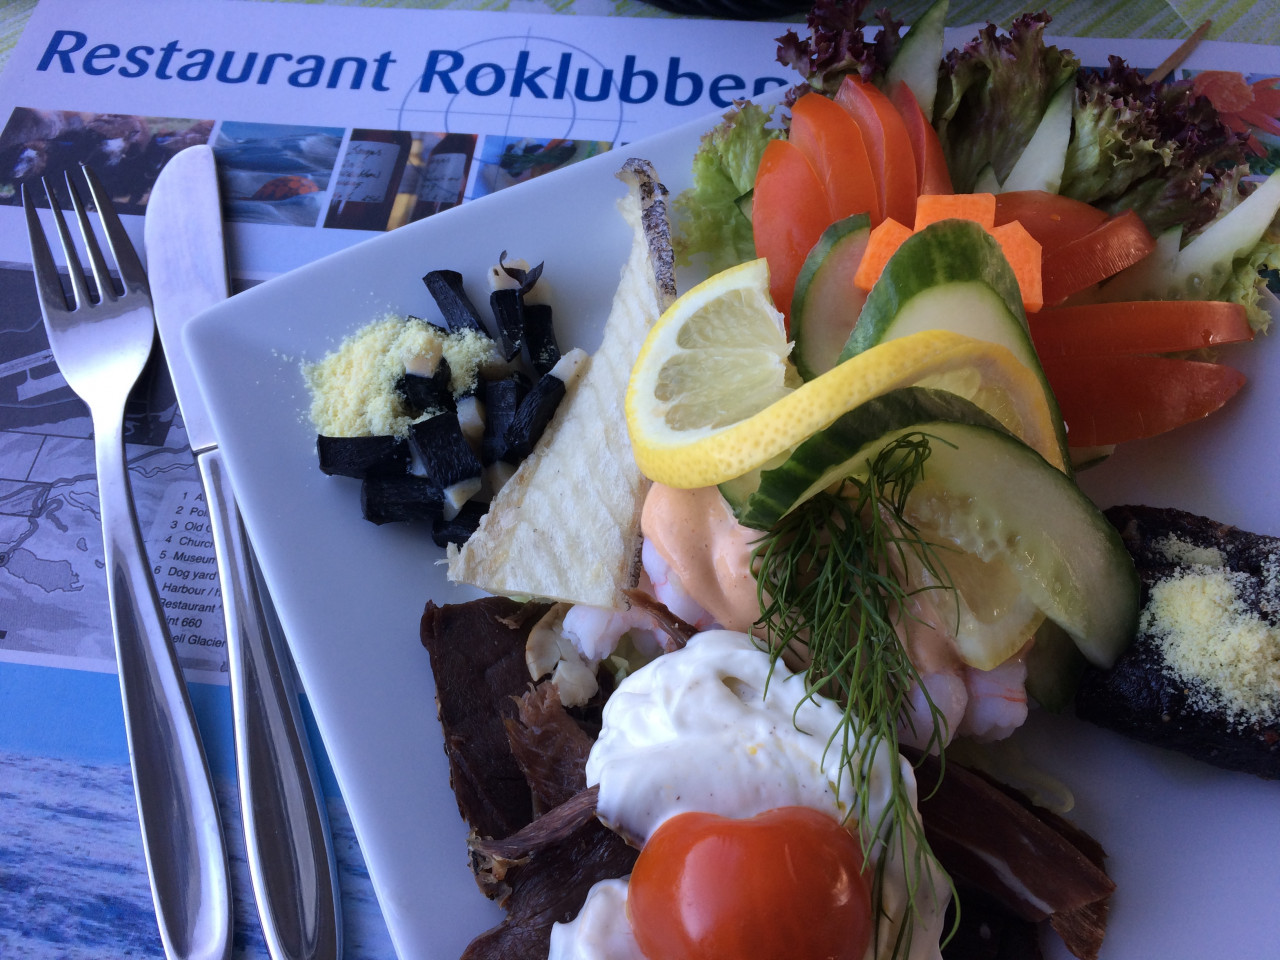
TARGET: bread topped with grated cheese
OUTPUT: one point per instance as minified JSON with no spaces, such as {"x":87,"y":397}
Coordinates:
{"x":566,"y":526}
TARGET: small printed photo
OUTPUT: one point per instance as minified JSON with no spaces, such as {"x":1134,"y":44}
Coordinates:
{"x":505,"y":161}
{"x":369,"y":179}
{"x":392,"y":177}
{"x":124,"y":150}
{"x":275,"y":173}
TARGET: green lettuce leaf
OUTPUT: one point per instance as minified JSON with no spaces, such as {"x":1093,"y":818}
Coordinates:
{"x":708,"y":218}
{"x":1247,"y":284}
{"x":992,"y":94}
{"x":1155,"y":148}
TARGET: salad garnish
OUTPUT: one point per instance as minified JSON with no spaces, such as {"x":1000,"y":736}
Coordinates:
{"x":833,"y":590}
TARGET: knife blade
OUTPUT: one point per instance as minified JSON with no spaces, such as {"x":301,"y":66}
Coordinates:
{"x":287,"y":838}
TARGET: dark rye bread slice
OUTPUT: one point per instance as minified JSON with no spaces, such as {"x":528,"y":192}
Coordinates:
{"x":1140,"y":696}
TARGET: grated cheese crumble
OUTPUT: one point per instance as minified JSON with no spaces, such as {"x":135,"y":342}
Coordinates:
{"x":1212,"y":639}
{"x":353,"y":387}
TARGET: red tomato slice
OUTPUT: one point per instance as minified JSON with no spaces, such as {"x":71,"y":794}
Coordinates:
{"x":1116,"y":399}
{"x":1137,"y":326}
{"x":932,"y":175}
{"x":1052,"y":219}
{"x":885,"y":133}
{"x":1118,"y":242}
{"x":827,"y":135}
{"x":784,"y":885}
{"x":789,"y":211}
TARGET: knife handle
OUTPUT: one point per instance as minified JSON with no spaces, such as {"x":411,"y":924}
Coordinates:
{"x":287,"y":839}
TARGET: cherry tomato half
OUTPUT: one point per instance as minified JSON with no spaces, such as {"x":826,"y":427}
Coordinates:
{"x":784,"y":885}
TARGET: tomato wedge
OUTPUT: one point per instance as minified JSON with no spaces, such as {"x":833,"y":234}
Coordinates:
{"x":1118,"y":242}
{"x":1054,"y":220}
{"x":932,"y":175}
{"x":1137,"y":326}
{"x":828,"y":136}
{"x":789,"y":211}
{"x":1120,"y":398}
{"x":888,"y":145}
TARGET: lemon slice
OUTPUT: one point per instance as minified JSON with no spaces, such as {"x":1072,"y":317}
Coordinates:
{"x":713,"y":397}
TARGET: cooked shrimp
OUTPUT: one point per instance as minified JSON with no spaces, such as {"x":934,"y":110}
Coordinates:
{"x":596,"y":631}
{"x":666,"y":585}
{"x":997,"y":699}
{"x":950,"y":699}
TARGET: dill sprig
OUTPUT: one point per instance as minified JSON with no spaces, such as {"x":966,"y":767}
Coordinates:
{"x":832,"y":578}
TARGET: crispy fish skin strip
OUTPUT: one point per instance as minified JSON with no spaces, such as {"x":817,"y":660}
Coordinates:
{"x":566,"y":526}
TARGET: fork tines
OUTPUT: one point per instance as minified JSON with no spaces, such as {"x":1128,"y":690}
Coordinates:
{"x":132,"y":276}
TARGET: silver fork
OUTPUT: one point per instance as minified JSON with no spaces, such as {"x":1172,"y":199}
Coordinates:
{"x":101,"y":347}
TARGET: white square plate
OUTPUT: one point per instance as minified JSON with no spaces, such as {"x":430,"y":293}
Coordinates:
{"x":1195,"y":851}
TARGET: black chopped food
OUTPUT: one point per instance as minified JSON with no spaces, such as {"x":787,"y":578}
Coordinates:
{"x":508,"y":310}
{"x":443,"y":456}
{"x":397,"y":498}
{"x":419,"y":393}
{"x":360,"y":457}
{"x":502,"y":398}
{"x":445,"y":287}
{"x":458,"y":529}
{"x":471,"y":403}
{"x":1145,"y":695}
{"x":540,"y":337}
{"x":537,"y":409}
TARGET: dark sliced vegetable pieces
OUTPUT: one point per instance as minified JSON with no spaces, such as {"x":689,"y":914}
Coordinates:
{"x":502,"y":399}
{"x":540,"y":337}
{"x":459,"y":528}
{"x":462,"y":447}
{"x":441,"y":452}
{"x":445,"y":287}
{"x":421,"y":393}
{"x":508,"y":309}
{"x":536,"y":410}
{"x":393,"y":499}
{"x":360,"y":457}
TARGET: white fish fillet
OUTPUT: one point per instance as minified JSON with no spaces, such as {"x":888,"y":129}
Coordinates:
{"x":566,"y":526}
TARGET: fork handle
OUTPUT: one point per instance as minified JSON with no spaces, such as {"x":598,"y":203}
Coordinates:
{"x":177,"y":810}
{"x":287,"y":839}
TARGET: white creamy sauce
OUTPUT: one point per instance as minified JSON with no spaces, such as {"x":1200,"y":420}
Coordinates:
{"x":600,"y":931}
{"x":695,"y":731}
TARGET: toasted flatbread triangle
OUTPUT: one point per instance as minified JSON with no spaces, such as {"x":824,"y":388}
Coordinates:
{"x":566,"y":526}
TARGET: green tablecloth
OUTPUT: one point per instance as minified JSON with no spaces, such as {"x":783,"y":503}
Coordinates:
{"x":1245,"y":21}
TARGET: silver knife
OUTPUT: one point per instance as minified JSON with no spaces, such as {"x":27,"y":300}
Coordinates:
{"x":287,"y":839}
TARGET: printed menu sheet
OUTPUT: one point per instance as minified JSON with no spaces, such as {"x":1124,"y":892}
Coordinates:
{"x":328,"y":124}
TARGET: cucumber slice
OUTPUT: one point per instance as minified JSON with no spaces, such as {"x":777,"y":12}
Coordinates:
{"x":919,"y":59}
{"x":1040,"y":165}
{"x":1151,"y":277}
{"x":991,"y":497}
{"x":952,"y":276}
{"x":987,"y":181}
{"x":1054,"y":668}
{"x":826,"y":302}
{"x":1204,"y":264}
{"x":841,"y":450}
